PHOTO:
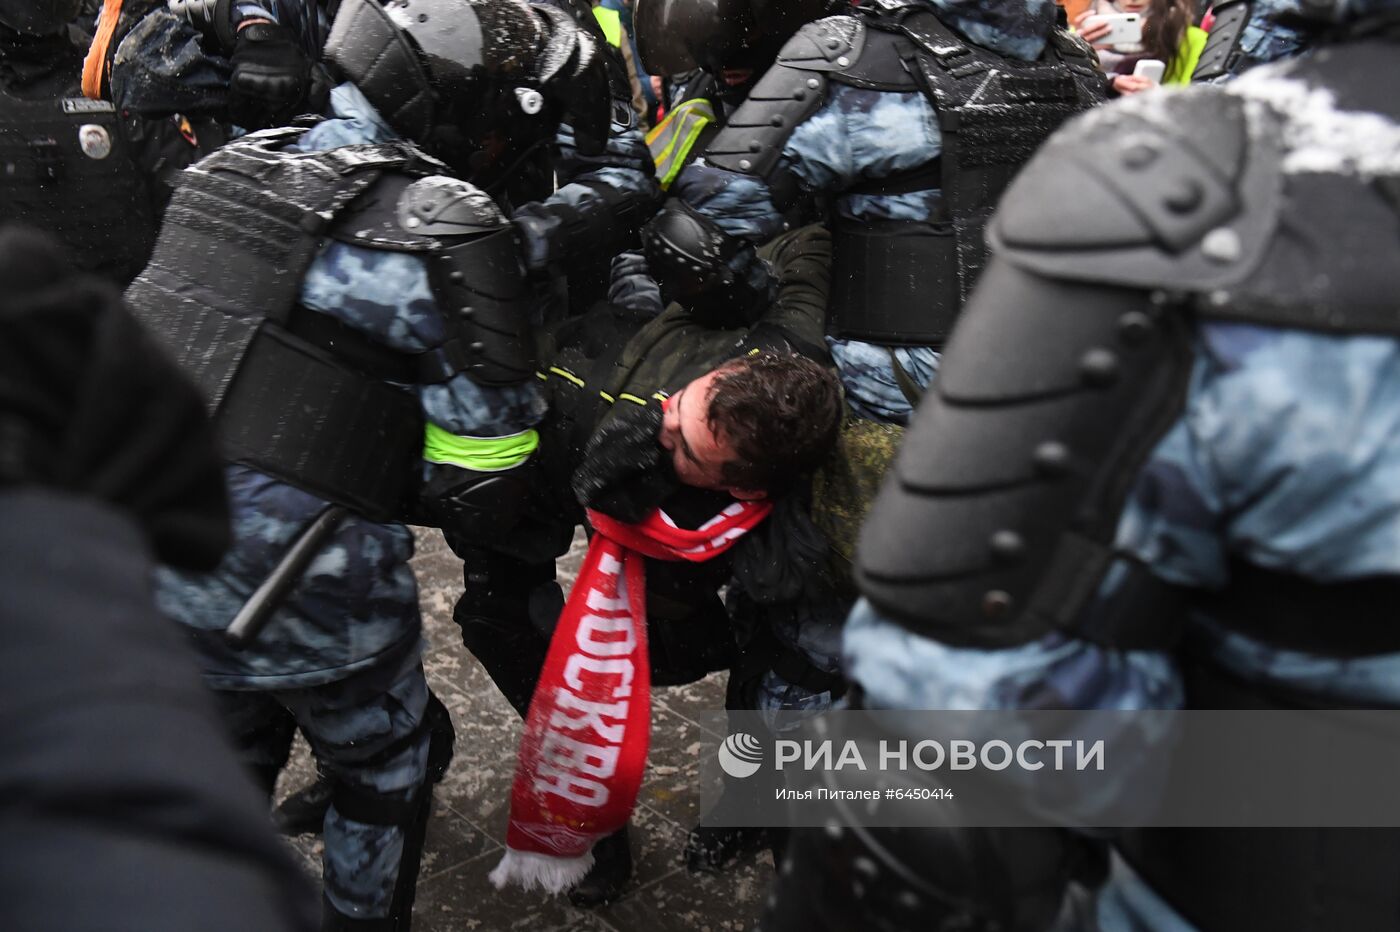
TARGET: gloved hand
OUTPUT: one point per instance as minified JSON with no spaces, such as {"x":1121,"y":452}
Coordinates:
{"x":90,"y":405}
{"x":271,"y":76}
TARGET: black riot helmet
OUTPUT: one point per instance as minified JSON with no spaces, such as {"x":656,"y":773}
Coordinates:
{"x":472,"y":81}
{"x":38,"y":17}
{"x":676,"y":36}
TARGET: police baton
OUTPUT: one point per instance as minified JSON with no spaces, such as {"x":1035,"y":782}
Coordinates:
{"x":257,"y":611}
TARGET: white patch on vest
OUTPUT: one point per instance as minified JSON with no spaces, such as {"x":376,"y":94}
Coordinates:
{"x":1317,"y":136}
{"x":95,"y":141}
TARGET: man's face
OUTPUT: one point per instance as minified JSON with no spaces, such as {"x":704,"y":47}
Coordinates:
{"x":698,"y":454}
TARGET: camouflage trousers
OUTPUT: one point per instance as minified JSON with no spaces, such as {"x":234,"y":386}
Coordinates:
{"x":369,"y":736}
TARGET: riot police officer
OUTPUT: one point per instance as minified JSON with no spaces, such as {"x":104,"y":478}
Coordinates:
{"x":574,"y":204}
{"x":1145,"y":510}
{"x":358,"y":317}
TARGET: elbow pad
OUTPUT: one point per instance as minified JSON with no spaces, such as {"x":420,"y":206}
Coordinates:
{"x":688,"y":252}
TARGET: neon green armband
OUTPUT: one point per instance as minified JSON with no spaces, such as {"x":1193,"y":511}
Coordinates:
{"x":480,"y":454}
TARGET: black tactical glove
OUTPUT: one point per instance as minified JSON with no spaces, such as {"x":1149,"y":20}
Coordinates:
{"x":90,"y":405}
{"x":271,"y":76}
{"x":624,"y":472}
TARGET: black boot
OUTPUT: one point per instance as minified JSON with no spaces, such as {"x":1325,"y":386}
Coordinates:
{"x":304,"y":812}
{"x":612,"y":868}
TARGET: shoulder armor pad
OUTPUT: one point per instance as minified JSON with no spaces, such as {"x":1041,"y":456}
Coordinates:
{"x":791,"y":91}
{"x":880,"y":63}
{"x":820,"y":45}
{"x":443,"y":206}
{"x":1180,"y":190}
{"x":996,"y":522}
{"x":372,"y":219}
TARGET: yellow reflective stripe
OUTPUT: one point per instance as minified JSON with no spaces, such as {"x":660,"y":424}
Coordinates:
{"x":606,"y":397}
{"x":541,"y":376}
{"x":566,"y":374}
{"x":632,"y":398}
{"x":611,"y":21}
{"x":480,"y":454}
{"x":672,"y":139}
{"x":660,"y":396}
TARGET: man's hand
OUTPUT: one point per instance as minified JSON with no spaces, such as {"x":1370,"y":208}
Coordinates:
{"x":271,"y":75}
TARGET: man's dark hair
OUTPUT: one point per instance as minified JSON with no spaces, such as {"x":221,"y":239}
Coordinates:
{"x":779,"y":413}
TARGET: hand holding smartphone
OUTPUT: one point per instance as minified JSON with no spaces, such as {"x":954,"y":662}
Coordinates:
{"x":1150,"y":68}
{"x":1123,"y":29}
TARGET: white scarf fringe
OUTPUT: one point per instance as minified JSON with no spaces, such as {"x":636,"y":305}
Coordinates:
{"x":530,"y":870}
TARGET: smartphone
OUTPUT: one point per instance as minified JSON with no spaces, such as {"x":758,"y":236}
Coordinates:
{"x":1150,"y":68}
{"x":1124,"y":28}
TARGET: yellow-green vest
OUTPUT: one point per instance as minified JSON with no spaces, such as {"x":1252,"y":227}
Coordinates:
{"x":611,"y":21}
{"x":671,"y":140}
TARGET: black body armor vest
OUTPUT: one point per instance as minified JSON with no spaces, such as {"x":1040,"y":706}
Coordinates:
{"x":298,"y":394}
{"x":66,"y":168}
{"x":904,"y":282}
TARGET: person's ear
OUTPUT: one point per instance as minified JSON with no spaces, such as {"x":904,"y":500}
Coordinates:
{"x":749,"y":495}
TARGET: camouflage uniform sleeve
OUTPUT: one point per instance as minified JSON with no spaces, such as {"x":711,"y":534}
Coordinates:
{"x":632,"y":287}
{"x":599,"y":206}
{"x":386,"y":295}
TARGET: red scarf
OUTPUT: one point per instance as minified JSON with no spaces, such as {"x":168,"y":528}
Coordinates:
{"x":585,"y":742}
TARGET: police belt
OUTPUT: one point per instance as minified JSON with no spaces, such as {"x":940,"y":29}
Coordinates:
{"x":895,"y":282}
{"x":1353,"y":618}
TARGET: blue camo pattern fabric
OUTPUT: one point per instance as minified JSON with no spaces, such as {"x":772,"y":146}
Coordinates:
{"x":1309,"y":484}
{"x":624,"y":165}
{"x":351,"y":723}
{"x":1277,"y":29}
